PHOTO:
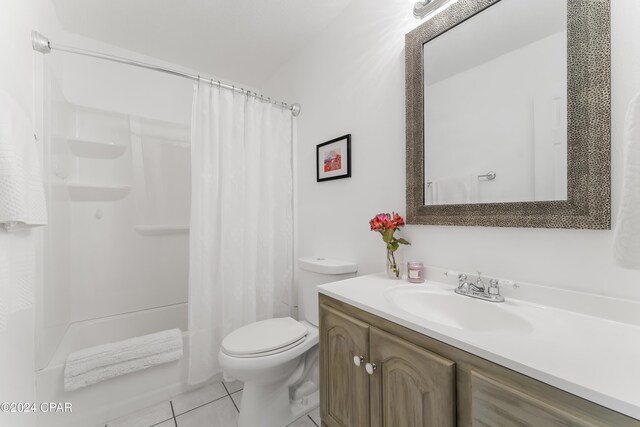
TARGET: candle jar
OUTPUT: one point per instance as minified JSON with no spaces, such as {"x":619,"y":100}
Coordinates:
{"x":415,"y":272}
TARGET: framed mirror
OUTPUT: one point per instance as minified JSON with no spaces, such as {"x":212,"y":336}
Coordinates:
{"x":508,"y":115}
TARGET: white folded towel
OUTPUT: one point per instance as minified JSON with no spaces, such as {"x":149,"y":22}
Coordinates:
{"x":102,"y":362}
{"x":626,"y":244}
{"x":22,"y":201}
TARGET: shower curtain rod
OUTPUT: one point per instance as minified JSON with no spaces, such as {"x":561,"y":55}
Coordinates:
{"x":42,"y":44}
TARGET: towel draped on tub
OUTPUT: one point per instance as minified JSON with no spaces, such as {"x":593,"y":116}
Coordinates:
{"x":102,"y":362}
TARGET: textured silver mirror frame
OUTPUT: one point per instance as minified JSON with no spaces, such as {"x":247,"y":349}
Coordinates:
{"x":589,"y":128}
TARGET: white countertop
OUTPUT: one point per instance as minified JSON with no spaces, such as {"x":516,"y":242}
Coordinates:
{"x":587,"y":352}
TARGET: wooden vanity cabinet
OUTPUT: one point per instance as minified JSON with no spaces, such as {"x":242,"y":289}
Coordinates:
{"x":410,"y":386}
{"x":419,"y":381}
{"x":344,"y":386}
{"x":406,"y":385}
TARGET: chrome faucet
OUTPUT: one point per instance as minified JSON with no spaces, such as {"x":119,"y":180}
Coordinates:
{"x":478,"y":289}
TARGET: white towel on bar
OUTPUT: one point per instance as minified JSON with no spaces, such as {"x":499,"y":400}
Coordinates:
{"x":454,"y":191}
{"x":102,"y":362}
{"x":626,"y":244}
{"x":22,"y":201}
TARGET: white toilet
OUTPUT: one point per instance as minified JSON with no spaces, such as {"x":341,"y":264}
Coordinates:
{"x":277,"y":359}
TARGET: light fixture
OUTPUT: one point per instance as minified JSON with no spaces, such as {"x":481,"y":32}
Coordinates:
{"x":426,"y":9}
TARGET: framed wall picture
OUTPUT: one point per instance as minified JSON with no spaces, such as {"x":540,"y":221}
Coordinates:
{"x":333,"y":159}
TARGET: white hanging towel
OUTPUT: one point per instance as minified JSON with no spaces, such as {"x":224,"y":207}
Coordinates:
{"x":102,"y":362}
{"x":626,"y":243}
{"x":22,"y":201}
{"x":454,"y":191}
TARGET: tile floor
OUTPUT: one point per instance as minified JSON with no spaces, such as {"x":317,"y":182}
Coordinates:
{"x":215,"y":405}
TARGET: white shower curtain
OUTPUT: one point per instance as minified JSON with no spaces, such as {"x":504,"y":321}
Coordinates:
{"x":241,"y":238}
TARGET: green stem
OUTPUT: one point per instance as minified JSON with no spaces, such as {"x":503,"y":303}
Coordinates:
{"x":392,"y":262}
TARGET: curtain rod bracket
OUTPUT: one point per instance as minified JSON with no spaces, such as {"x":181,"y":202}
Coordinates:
{"x":295,"y":110}
{"x":40,"y":43}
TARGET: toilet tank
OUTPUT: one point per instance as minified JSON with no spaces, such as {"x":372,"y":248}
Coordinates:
{"x":316,"y":271}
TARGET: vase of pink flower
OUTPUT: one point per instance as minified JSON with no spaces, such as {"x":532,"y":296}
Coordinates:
{"x":387,"y":224}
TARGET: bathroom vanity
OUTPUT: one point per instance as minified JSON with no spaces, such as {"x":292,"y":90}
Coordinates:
{"x":384,"y":364}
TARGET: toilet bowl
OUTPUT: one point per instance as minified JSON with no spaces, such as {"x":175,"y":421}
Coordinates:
{"x":268,"y":375}
{"x":275,"y":358}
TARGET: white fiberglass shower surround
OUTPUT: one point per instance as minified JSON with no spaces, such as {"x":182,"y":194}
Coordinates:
{"x":117,"y":158}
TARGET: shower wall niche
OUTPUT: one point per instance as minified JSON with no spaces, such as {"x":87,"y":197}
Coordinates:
{"x":98,"y":167}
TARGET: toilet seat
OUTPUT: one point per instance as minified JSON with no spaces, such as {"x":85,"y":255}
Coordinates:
{"x":264,"y":338}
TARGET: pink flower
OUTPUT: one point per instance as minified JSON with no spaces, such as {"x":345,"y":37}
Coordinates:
{"x":398,"y":220}
{"x":387,"y":224}
{"x":385,"y":221}
{"x":379,"y":222}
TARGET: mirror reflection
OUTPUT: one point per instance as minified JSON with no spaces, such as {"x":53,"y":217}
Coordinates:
{"x":495,"y":106}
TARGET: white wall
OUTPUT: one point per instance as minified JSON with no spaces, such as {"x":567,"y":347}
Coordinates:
{"x":351,"y":80}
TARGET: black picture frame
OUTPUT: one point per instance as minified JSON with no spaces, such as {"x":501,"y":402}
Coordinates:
{"x":347,"y":161}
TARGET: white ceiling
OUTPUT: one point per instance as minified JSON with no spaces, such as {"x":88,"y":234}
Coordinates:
{"x":239,"y":40}
{"x":499,"y":29}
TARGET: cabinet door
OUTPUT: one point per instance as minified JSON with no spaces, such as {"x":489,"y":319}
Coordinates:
{"x":410,"y":387}
{"x":494,"y":404}
{"x":344,"y":396}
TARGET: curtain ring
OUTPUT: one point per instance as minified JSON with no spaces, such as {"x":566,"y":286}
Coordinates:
{"x":219,"y":85}
{"x":211,"y":83}
{"x":198,"y":81}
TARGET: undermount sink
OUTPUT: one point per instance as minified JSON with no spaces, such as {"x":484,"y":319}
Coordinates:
{"x":450,"y":309}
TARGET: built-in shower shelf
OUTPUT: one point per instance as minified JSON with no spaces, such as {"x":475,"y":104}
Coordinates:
{"x":158,"y":230}
{"x":94,"y":193}
{"x":95,"y":149}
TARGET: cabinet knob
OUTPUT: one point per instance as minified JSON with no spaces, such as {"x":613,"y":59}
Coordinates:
{"x":371,"y":368}
{"x":357,"y":360}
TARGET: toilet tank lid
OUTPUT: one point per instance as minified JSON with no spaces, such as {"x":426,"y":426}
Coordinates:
{"x":327,"y":265}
